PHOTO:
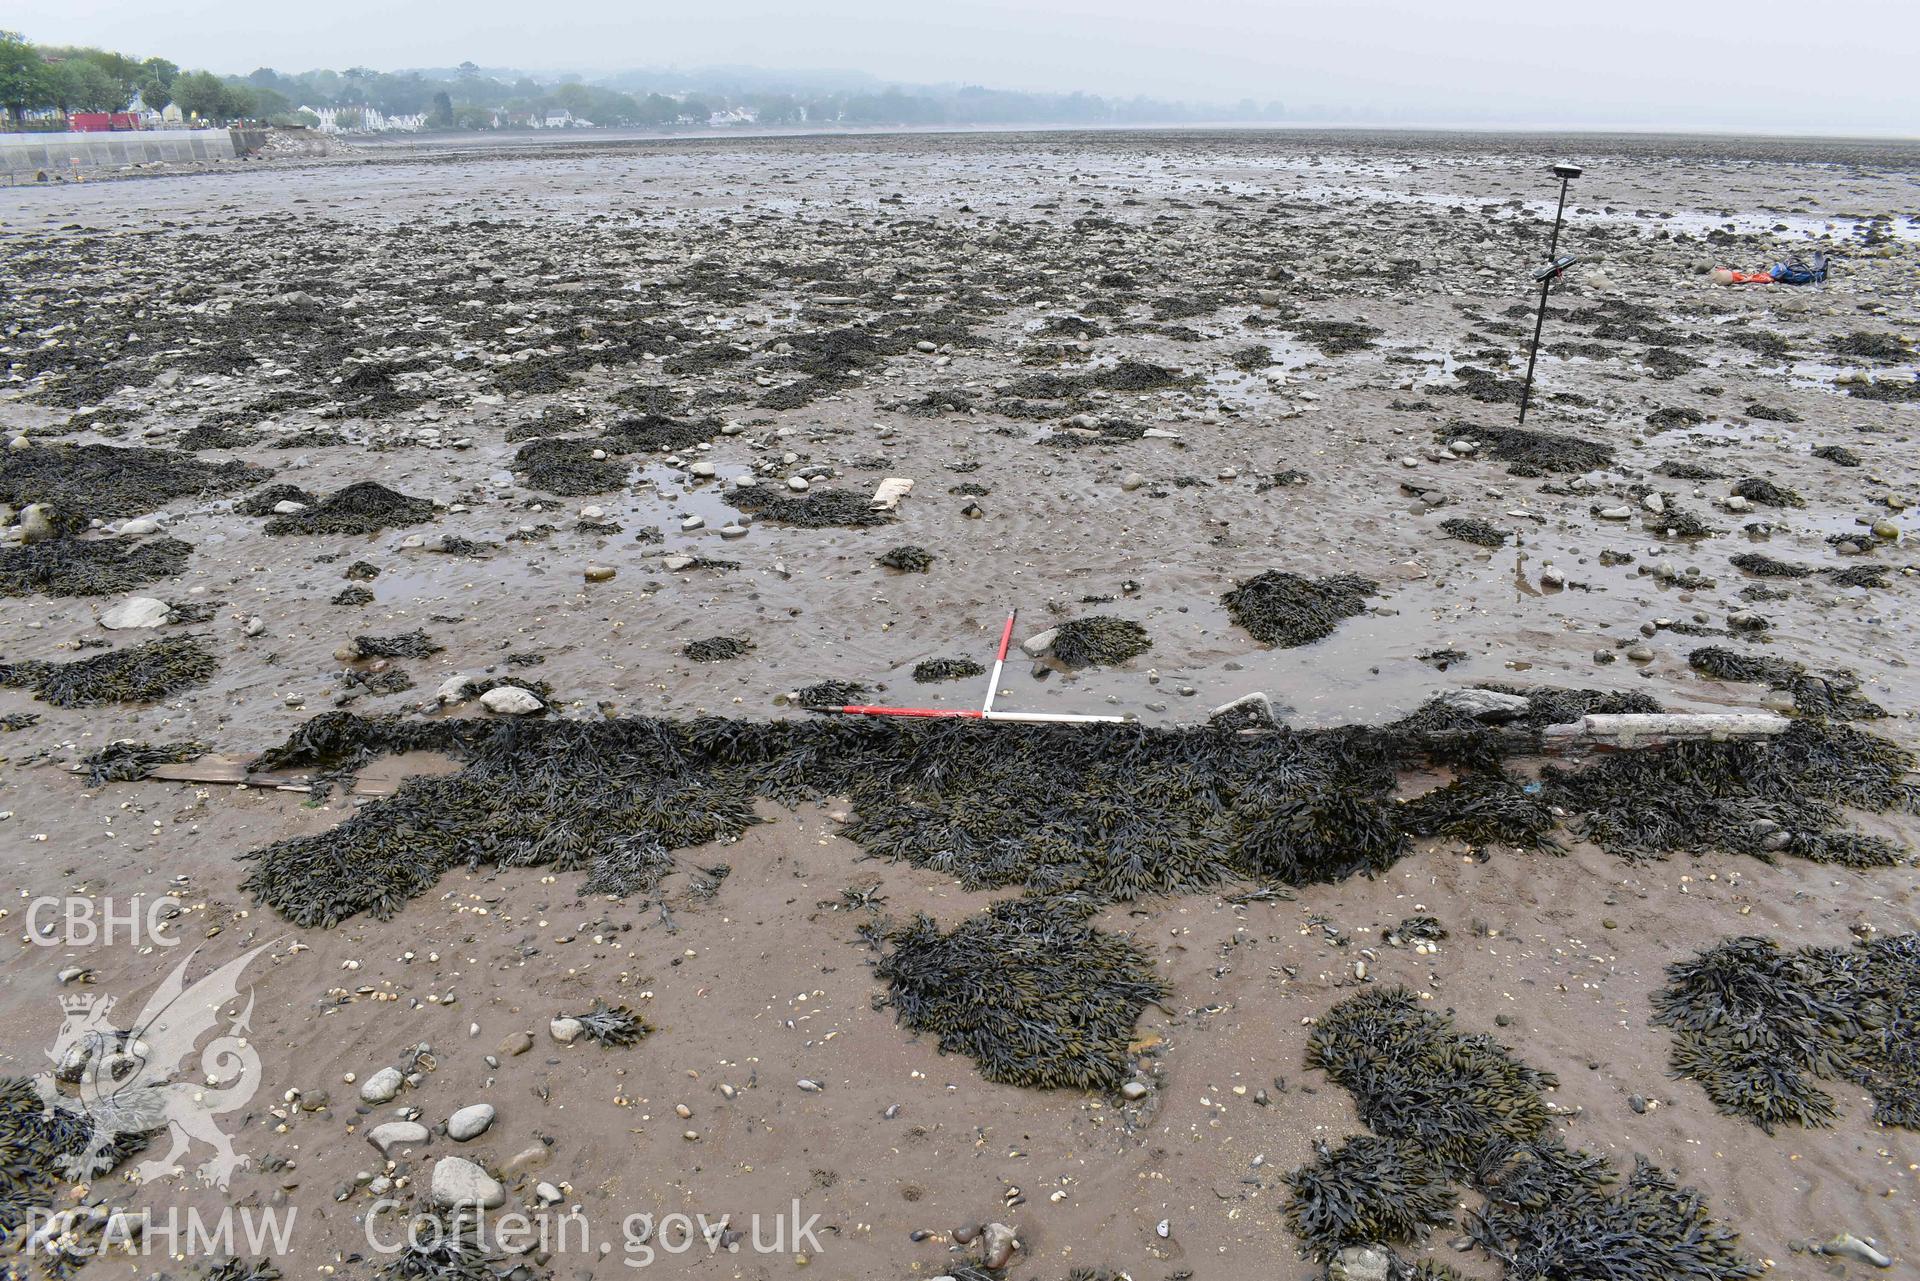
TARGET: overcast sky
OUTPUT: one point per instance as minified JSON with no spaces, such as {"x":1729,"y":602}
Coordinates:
{"x":1699,"y":63}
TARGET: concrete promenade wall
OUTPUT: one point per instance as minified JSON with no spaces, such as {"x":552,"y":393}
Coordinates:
{"x":23,"y":156}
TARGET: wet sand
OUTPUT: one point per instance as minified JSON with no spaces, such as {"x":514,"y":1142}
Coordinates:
{"x":1177,"y":249}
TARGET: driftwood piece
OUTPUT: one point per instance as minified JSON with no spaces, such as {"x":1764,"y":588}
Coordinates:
{"x":376,"y":778}
{"x":1616,"y":732}
{"x":1650,"y":729}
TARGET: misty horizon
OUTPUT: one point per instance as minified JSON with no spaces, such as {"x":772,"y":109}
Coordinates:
{"x":1629,"y":65}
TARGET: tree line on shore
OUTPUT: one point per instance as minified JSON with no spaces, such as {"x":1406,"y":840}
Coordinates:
{"x":41,"y":85}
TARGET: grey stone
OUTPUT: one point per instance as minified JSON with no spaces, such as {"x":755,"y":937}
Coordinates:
{"x":997,"y":1244}
{"x":394,"y":1134}
{"x":1360,"y":1263}
{"x":1849,"y":1246}
{"x":36,"y":523}
{"x":458,"y":1183}
{"x":527,"y":1160}
{"x":454,"y":689}
{"x":511,"y":700}
{"x":1485,"y":704}
{"x":381,"y":1086}
{"x":1040,"y":642}
{"x":470,"y":1122}
{"x":134,"y":612}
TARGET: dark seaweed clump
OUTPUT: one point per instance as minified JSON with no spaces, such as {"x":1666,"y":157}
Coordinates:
{"x":717,"y":649}
{"x":1688,"y":471}
{"x":1028,"y":989}
{"x":634,"y":865}
{"x":1099,"y":640}
{"x":445,"y":1249}
{"x":613,"y":1026}
{"x":239,"y":1268}
{"x":1113,"y":813}
{"x":1838,"y":455}
{"x":568,"y":468}
{"x":261,"y":502}
{"x":363,"y":508}
{"x":1756,"y":1026}
{"x":1677,"y":522}
{"x":127,"y":761}
{"x":1415,"y":929}
{"x":1286,"y":610}
{"x":1137,"y":375}
{"x":85,"y":567}
{"x":816,"y":509}
{"x":353,"y":594}
{"x":1445,"y":1105}
{"x":1470,"y":530}
{"x":657,"y":433}
{"x":139,"y":674}
{"x":1889,"y":390}
{"x":947,"y":669}
{"x":1675,"y":416}
{"x":1765,"y":492}
{"x":907,"y":558}
{"x":106,"y":480}
{"x":414,"y":644}
{"x":1555,"y":705}
{"x":1417,"y":1080}
{"x":1764,"y":566}
{"x":1481,"y":809}
{"x":1365,"y":1191}
{"x":1763,"y":799}
{"x":392,"y":680}
{"x":1834,"y":693}
{"x":1858,"y":575}
{"x":1861,"y":345}
{"x":1336,"y":337}
{"x":1535,"y":453}
{"x":831,"y":694}
{"x":1076,"y":817}
{"x":47,"y":1150}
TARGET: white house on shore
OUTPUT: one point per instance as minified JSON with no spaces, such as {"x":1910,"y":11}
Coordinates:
{"x":363,"y":120}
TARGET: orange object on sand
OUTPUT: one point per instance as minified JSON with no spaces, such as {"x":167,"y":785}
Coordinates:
{"x":1728,"y":276}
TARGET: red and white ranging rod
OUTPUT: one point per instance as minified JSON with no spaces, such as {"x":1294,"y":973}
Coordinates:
{"x":986,"y":711}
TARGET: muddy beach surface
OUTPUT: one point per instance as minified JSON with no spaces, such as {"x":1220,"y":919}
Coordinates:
{"x":1126,"y":373}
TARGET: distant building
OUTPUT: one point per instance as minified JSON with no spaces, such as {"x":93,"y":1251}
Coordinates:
{"x":362,"y":120}
{"x":737,"y":116}
{"x":561,"y":120}
{"x":149,"y":118}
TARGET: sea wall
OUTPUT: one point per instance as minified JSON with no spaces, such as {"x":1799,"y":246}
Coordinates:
{"x":24,"y":157}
